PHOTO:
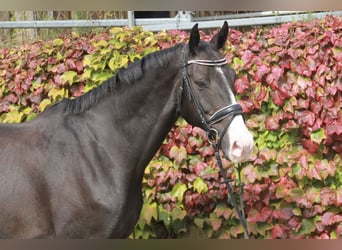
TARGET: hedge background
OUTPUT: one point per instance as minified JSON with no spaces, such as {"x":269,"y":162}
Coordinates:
{"x":289,"y":84}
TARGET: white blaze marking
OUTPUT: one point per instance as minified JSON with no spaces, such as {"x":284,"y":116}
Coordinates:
{"x":231,"y":94}
{"x":240,"y":139}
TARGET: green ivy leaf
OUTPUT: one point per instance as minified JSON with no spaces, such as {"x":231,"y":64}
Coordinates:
{"x":13,"y":116}
{"x":116,"y":63}
{"x":27,"y":111}
{"x":101,"y":43}
{"x":263,"y":227}
{"x":43,"y":104}
{"x":58,"y":94}
{"x":86,"y":74}
{"x":30,"y":117}
{"x":178,"y":153}
{"x":164,"y":216}
{"x":178,"y":191}
{"x":200,"y":186}
{"x":68,"y":77}
{"x":237,"y":62}
{"x":89,"y":86}
{"x":57,"y":42}
{"x":178,"y":213}
{"x":87,"y":60}
{"x":100,"y":77}
{"x":318,"y":135}
{"x":149,"y":211}
{"x":308,"y":226}
{"x":199,"y":222}
{"x":115,"y":30}
{"x":236,"y":230}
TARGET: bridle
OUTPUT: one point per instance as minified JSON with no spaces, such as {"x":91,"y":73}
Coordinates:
{"x":228,"y":112}
{"x":214,"y":137}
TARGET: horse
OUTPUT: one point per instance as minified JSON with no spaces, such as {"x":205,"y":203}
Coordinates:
{"x":75,"y":171}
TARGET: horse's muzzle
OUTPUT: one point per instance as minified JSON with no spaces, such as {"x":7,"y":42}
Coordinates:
{"x":237,"y":144}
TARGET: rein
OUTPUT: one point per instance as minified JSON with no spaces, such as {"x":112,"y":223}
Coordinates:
{"x":227,"y":112}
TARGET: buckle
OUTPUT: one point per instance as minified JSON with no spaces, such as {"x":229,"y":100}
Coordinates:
{"x":213,"y":136}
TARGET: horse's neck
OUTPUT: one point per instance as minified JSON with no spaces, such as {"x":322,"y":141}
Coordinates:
{"x":142,"y":116}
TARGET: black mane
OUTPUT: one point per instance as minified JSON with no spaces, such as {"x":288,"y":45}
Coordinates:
{"x":124,"y":78}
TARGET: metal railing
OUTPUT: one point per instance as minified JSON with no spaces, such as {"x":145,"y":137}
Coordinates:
{"x":182,"y":21}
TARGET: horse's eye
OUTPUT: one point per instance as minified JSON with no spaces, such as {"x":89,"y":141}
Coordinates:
{"x":202,"y":84}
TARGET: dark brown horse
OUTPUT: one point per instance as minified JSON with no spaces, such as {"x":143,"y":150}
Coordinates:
{"x":76,"y":170}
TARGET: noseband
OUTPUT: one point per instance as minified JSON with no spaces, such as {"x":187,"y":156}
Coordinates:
{"x":226,"y":113}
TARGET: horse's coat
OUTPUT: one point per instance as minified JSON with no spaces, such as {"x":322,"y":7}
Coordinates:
{"x":76,"y":170}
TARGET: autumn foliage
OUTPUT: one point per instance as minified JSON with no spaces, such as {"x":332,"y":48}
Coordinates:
{"x":289,"y":83}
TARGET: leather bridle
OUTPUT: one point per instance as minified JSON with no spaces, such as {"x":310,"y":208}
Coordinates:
{"x":228,"y":112}
{"x":214,"y":137}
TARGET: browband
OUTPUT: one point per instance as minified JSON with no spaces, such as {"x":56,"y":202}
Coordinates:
{"x":218,"y":62}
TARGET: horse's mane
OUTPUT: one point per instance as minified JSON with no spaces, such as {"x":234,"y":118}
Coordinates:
{"x":123,"y":79}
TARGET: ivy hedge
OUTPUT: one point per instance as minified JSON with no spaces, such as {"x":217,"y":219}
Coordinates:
{"x":289,"y":83}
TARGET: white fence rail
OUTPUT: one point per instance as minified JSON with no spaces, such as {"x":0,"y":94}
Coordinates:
{"x":182,"y":21}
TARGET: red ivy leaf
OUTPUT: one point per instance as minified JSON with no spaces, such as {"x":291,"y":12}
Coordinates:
{"x":261,"y":71}
{"x":77,"y":89}
{"x":295,"y":53}
{"x":303,"y":82}
{"x":71,"y":64}
{"x":275,"y":49}
{"x":278,"y":232}
{"x":11,"y":98}
{"x":278,"y":97}
{"x":283,"y":214}
{"x":306,"y":117}
{"x":246,"y":104}
{"x":199,"y":168}
{"x":263,"y":216}
{"x":272,"y":123}
{"x":312,"y":49}
{"x":338,"y":197}
{"x":247,"y":56}
{"x":294,"y":223}
{"x":330,"y":218}
{"x":260,"y":94}
{"x":291,"y":124}
{"x":250,"y":173}
{"x":328,"y":196}
{"x":57,"y":80}
{"x":339,"y":231}
{"x":313,"y":173}
{"x":334,"y":128}
{"x":61,"y":68}
{"x":303,"y":103}
{"x":241,"y":84}
{"x":215,"y":222}
{"x":273,"y":77}
{"x":311,"y":146}
{"x":79,"y":66}
{"x":206,"y":151}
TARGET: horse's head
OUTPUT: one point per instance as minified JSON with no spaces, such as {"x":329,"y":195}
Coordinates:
{"x":208,"y":99}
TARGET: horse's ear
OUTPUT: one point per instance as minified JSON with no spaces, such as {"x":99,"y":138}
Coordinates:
{"x":220,"y":37}
{"x":194,"y":39}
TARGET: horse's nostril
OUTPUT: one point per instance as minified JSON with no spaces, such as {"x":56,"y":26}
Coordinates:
{"x":236,"y":149}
